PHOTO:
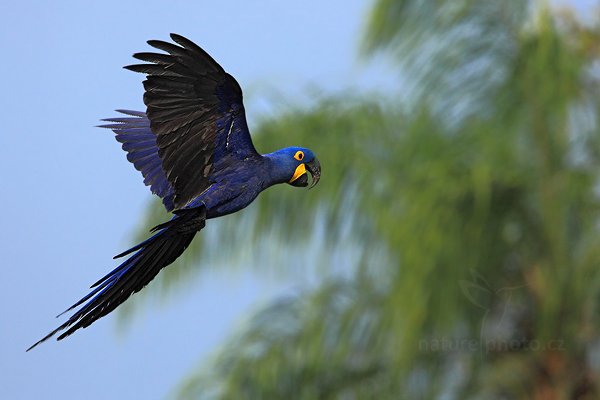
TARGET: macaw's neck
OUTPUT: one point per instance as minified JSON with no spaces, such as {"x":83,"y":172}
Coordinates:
{"x":277,"y":168}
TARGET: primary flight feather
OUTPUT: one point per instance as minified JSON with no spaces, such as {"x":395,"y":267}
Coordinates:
{"x":193,"y":147}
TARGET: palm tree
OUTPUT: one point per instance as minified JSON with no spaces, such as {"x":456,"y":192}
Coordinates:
{"x":472,"y":202}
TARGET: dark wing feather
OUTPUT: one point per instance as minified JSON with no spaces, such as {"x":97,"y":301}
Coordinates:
{"x":196,"y":112}
{"x":140,"y":144}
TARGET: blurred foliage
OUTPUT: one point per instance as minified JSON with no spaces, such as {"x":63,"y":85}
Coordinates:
{"x":474,"y":200}
{"x":453,"y":52}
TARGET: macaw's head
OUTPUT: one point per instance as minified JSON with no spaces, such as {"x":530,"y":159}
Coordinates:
{"x":295,"y":163}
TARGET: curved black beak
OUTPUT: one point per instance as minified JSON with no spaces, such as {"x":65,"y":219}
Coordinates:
{"x":314,"y":167}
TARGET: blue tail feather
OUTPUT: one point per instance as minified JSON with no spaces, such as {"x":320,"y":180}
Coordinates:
{"x":150,"y":256}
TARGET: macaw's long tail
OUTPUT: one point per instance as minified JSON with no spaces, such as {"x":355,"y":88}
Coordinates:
{"x":150,"y":256}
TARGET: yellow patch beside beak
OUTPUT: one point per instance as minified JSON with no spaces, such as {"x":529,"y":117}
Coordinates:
{"x":300,"y":170}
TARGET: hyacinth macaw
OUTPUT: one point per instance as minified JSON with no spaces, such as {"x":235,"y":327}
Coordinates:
{"x":193,"y":147}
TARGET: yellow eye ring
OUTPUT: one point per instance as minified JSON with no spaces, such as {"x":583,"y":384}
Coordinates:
{"x":299,"y":155}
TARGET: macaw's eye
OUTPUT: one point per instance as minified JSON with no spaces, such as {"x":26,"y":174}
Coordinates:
{"x":299,"y":155}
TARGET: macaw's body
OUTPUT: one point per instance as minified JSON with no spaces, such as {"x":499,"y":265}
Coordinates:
{"x":193,"y":147}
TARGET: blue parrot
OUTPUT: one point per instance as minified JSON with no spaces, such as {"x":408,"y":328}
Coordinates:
{"x":194,"y":150}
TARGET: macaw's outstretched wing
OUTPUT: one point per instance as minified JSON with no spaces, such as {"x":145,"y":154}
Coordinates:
{"x":196,"y":112}
{"x":138,"y":140}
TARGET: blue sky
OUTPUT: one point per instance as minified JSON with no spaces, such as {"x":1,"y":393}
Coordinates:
{"x":71,"y":200}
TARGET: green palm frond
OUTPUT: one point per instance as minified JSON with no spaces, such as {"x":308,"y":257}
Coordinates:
{"x":451,"y":54}
{"x":472,"y":267}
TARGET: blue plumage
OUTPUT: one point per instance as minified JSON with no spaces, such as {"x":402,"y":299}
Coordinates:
{"x":194,"y":150}
{"x":140,"y":144}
